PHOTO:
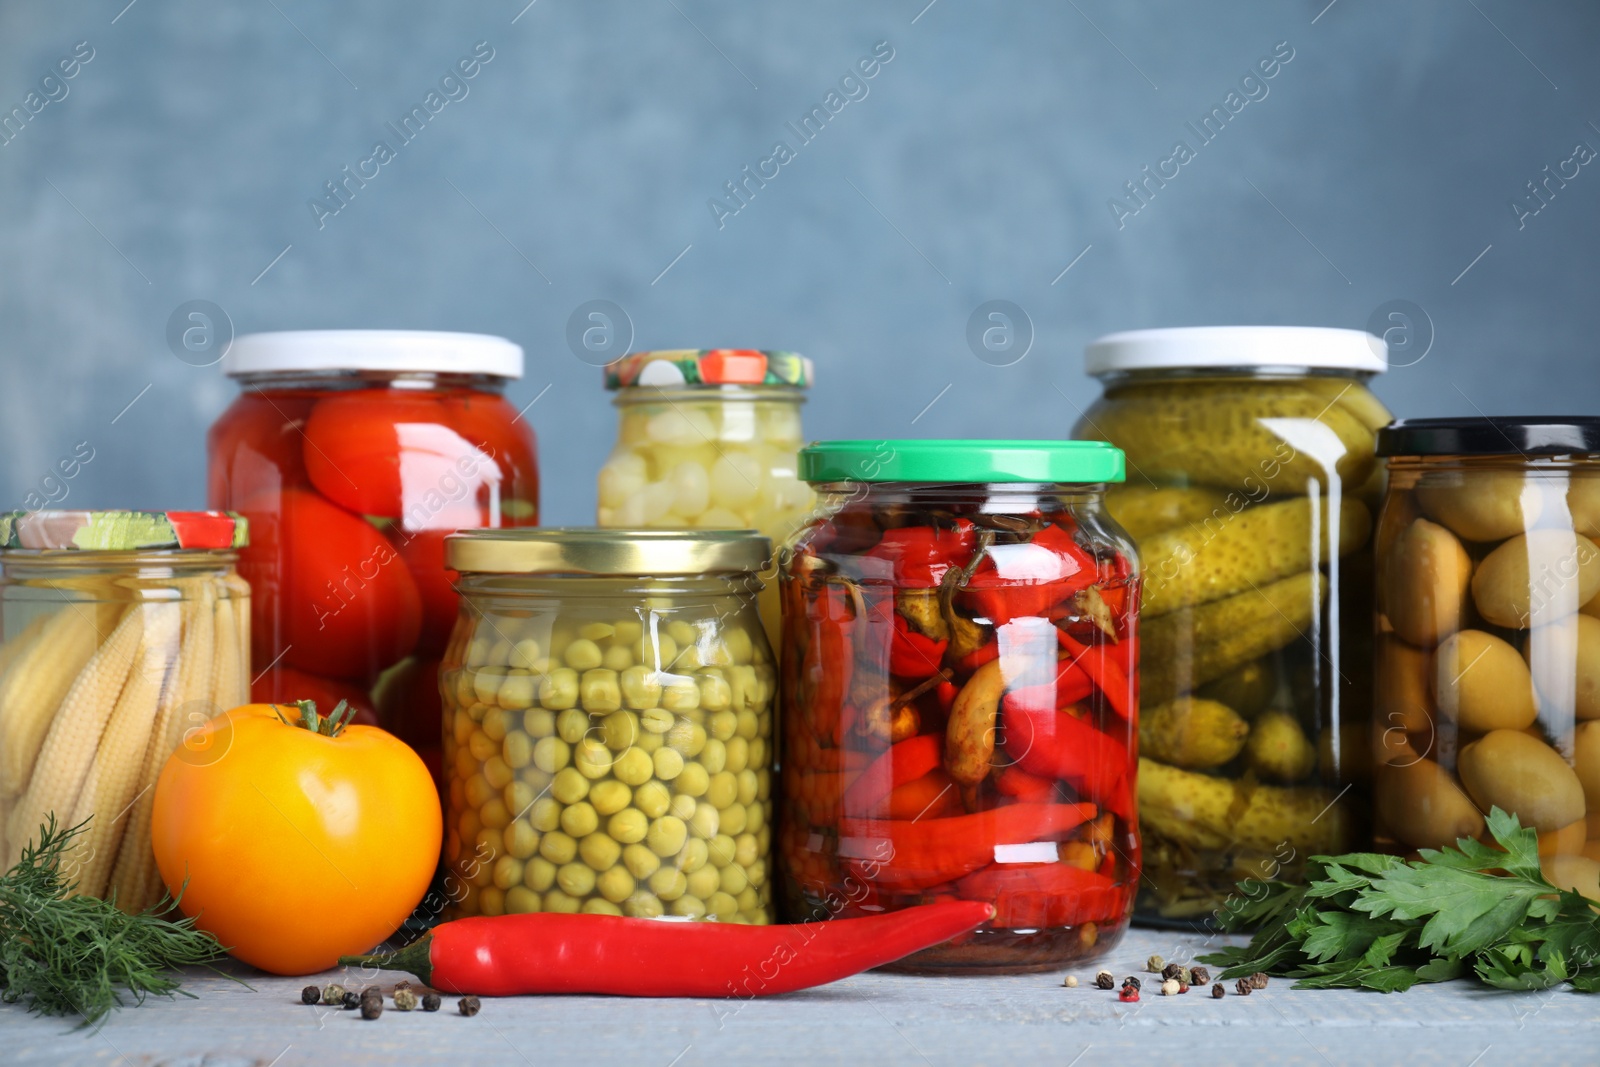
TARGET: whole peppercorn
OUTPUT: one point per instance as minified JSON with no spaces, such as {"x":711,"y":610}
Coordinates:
{"x":1172,"y":970}
{"x":1258,"y":980}
{"x":1129,"y":993}
{"x":469,"y":1005}
{"x":1199,"y":976}
{"x":1169,"y":988}
{"x":333,"y":994}
{"x":1243,"y":987}
{"x":1070,"y":981}
{"x":310,"y":995}
{"x":1217,"y":992}
{"x":371,"y":1007}
{"x":372,"y":992}
{"x":1154,"y":964}
{"x":1103,"y":980}
{"x":430,"y":1002}
{"x":404,"y":999}
{"x":351,"y":1001}
{"x":1133,"y":980}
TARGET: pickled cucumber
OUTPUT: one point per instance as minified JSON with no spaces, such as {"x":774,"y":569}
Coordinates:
{"x":1193,"y":733}
{"x":1143,"y":510}
{"x":1278,"y":750}
{"x":1214,"y":813}
{"x":1189,"y":648}
{"x":1199,"y":564}
{"x":1247,"y":689}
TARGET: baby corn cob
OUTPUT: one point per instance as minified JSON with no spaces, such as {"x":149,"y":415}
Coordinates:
{"x":74,"y":733}
{"x":17,"y":645}
{"x":184,"y":704}
{"x":39,"y":680}
{"x":110,"y":787}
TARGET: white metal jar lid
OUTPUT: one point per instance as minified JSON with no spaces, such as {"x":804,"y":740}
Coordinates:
{"x":1192,"y":347}
{"x":420,"y":351}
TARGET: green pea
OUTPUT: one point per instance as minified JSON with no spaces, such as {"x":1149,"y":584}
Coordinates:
{"x":477,"y":790}
{"x":633,"y":767}
{"x":538,"y":874}
{"x":620,"y":730}
{"x":561,"y":903}
{"x":539,"y":722}
{"x":616,"y":658}
{"x":745,"y":850}
{"x":596,"y":631}
{"x":582,"y":655}
{"x":526,"y":655}
{"x":693,"y":856}
{"x":481,"y":745}
{"x":517,"y":750}
{"x":724,"y":789}
{"x":571,"y":725}
{"x":492,"y":901}
{"x":520,"y":900}
{"x":688,"y":907}
{"x":734,"y":819}
{"x":545,"y":815}
{"x":721,"y":906}
{"x":465,"y":765}
{"x":713,"y":756}
{"x":468,"y":824}
{"x":705,"y":821}
{"x":643,"y":905}
{"x":683,"y":632}
{"x":580,"y":819}
{"x":517,"y":690}
{"x":626,"y":631}
{"x":558,"y":847}
{"x":756,"y":817}
{"x":764,"y":840}
{"x":651,"y":743}
{"x":656,"y":654}
{"x":656,"y":721}
{"x":615,"y":884}
{"x":507,"y":872}
{"x":497,"y":772}
{"x":628,"y":826}
{"x":569,"y":786}
{"x":668,"y":883}
{"x":733,"y":879}
{"x":668,"y":764}
{"x":720,"y":849}
{"x":652,"y":798}
{"x":489,"y":843}
{"x":477,"y":652}
{"x":704,"y":882}
{"x":519,"y":797}
{"x":749,"y":725}
{"x":680,"y":694}
{"x":597,"y":906}
{"x":667,"y":835}
{"x":640,"y":861}
{"x":750,"y":901}
{"x":558,"y":690}
{"x":610,"y":796}
{"x":551,"y":754}
{"x":723,"y":724}
{"x":486,"y":683}
{"x":494,"y":813}
{"x":495,"y":723}
{"x":521,"y":840}
{"x":592,"y":758}
{"x":683,"y":806}
{"x":641,"y":689}
{"x":693,"y":781}
{"x":461,"y":727}
{"x":576,"y":879}
{"x":756,"y":873}
{"x":739,"y":644}
{"x":599,"y":690}
{"x":599,"y":851}
{"x":714,"y":692}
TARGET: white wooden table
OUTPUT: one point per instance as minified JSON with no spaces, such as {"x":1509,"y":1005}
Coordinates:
{"x":866,"y":1021}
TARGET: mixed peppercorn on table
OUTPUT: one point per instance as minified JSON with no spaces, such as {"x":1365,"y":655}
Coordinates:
{"x":875,"y":1019}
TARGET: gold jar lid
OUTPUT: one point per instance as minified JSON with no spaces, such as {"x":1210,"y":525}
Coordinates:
{"x":595,"y":551}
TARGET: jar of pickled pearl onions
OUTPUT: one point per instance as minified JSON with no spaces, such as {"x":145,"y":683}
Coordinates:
{"x":708,"y":439}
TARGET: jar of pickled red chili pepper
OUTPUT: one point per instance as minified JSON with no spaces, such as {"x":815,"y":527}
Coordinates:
{"x":353,"y":453}
{"x":608,"y":725}
{"x":707,"y":439}
{"x":1251,"y":493}
{"x":1488,"y":653}
{"x":960,"y":625}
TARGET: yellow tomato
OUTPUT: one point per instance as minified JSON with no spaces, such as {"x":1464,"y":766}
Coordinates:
{"x":298,"y":846}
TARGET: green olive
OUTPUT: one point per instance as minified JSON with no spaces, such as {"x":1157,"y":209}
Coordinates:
{"x":628,"y":826}
{"x":756,"y":817}
{"x":616,"y":658}
{"x":538,"y":874}
{"x":569,"y":786}
{"x":653,"y":798}
{"x":1425,"y":578}
{"x":615,"y":884}
{"x":749,"y":900}
{"x":580,"y":819}
{"x":694,"y":855}
{"x":1566,"y":658}
{"x":575,"y":879}
{"x":738,"y":643}
{"x":1480,"y":505}
{"x":640,"y":861}
{"x":461,"y":727}
{"x":599,"y":851}
{"x":1522,"y":775}
{"x":758,"y":754}
{"x":610,"y":796}
{"x":1536,"y":577}
{"x":722,"y":724}
{"x":1586,"y":762}
{"x":489,"y":843}
{"x":1481,"y":683}
{"x":757,"y":874}
{"x":558,"y":847}
{"x":749,"y":725}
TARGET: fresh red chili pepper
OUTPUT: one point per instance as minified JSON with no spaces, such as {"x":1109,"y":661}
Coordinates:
{"x":545,"y":952}
{"x":929,"y":852}
{"x":1044,"y":894}
{"x":1028,"y":579}
{"x":1057,"y":744}
{"x":914,"y":655}
{"x":900,"y":763}
{"x":1016,"y":782}
{"x":921,"y":554}
{"x":1110,"y":677}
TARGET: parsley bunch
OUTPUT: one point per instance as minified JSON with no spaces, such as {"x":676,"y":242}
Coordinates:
{"x":72,"y":955}
{"x":1370,"y":921}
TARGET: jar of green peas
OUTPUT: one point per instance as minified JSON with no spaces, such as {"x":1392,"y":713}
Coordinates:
{"x":608,"y":720}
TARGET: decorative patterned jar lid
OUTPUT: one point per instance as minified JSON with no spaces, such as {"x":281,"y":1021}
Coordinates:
{"x":121,"y":531}
{"x":710,"y":366}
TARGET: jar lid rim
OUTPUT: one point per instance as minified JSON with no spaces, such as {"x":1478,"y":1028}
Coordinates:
{"x":601,"y":552}
{"x":962,"y":460}
{"x":121,"y":531}
{"x":1496,"y":435}
{"x":400,"y":351}
{"x":702,"y":367}
{"x":1184,"y":347}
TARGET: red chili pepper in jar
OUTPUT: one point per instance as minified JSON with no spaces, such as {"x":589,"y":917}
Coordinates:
{"x":1028,"y":579}
{"x":914,"y":655}
{"x":1108,"y":675}
{"x":929,"y":852}
{"x":827,"y":666}
{"x":920,"y":555}
{"x":1044,"y":894}
{"x":545,"y":952}
{"x":1058,"y":744}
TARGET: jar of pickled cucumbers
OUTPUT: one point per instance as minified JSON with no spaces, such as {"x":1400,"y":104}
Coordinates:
{"x":707,"y":439}
{"x":1488,"y":654}
{"x":959,"y":706}
{"x":608,"y":734}
{"x":119,"y":632}
{"x":1252,"y":487}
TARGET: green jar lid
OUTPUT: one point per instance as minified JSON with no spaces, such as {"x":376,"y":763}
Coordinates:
{"x":121,"y":531}
{"x":961,"y":461}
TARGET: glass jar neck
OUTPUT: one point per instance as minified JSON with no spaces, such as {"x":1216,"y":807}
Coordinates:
{"x":1001,"y":498}
{"x":1286,"y":373}
{"x":29,"y":565}
{"x":1532,"y":463}
{"x":587,"y":587}
{"x":368,"y":379}
{"x":659,"y":394}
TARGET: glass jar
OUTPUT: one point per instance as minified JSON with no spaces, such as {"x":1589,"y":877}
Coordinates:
{"x":959,"y":707}
{"x":608,"y":705}
{"x":353,"y":453}
{"x":1250,"y":456}
{"x":121,"y":630}
{"x":1488,"y":654}
{"x":707,"y":439}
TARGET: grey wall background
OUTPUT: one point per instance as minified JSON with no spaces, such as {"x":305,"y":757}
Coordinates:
{"x":1381,"y":166}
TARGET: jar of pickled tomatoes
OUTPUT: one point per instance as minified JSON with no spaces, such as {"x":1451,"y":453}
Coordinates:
{"x":707,"y":438}
{"x":959,"y":695}
{"x":353,"y":453}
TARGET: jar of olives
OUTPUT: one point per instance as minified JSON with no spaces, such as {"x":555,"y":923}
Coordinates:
{"x":1252,"y":485}
{"x":1488,"y":620}
{"x":707,"y":439}
{"x":608,"y":705}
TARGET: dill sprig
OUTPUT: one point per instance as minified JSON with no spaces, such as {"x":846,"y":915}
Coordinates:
{"x":76,"y":955}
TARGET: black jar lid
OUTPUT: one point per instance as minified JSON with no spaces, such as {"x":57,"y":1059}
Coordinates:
{"x":1500,"y":435}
